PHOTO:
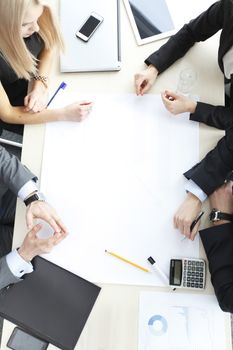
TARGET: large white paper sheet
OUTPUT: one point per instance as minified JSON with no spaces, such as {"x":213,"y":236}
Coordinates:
{"x":116,"y":180}
{"x":182,"y":321}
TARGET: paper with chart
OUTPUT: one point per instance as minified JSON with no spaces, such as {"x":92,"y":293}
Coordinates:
{"x":116,"y":181}
{"x":170,"y":321}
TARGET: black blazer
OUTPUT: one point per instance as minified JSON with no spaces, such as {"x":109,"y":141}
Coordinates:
{"x":211,"y":172}
{"x":218,"y":244}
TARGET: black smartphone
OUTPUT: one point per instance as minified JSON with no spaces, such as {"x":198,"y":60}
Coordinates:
{"x":21,"y":340}
{"x":89,"y":26}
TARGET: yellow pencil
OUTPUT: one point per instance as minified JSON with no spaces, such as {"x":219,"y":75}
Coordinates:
{"x":127,"y":261}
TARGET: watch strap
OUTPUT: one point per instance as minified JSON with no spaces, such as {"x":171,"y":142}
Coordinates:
{"x":37,"y":196}
{"x":217,"y":215}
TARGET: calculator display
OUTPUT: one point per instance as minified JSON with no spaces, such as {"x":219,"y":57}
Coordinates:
{"x":176,"y":272}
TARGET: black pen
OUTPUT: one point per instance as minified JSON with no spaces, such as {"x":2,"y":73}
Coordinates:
{"x":196,"y":220}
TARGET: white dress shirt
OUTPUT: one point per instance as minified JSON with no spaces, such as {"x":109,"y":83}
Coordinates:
{"x":192,"y":187}
{"x":16,"y":263}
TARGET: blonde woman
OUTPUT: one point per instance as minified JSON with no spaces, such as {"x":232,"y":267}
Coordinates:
{"x":29,"y":36}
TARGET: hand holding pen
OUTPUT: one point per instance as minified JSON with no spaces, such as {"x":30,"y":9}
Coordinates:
{"x":195,"y":221}
{"x":186,"y":216}
{"x":195,"y":224}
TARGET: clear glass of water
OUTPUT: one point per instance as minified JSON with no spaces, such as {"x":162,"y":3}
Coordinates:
{"x":186,"y":82}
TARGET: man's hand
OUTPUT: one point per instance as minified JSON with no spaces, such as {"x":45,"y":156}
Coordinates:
{"x":186,"y":214}
{"x":42,"y":210}
{"x":32,"y":245}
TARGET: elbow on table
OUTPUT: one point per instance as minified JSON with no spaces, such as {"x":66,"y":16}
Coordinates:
{"x":6,"y":115}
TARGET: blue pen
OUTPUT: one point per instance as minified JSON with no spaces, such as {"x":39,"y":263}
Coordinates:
{"x":61,"y":86}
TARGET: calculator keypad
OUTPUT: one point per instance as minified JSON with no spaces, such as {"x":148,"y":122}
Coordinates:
{"x":193,"y":274}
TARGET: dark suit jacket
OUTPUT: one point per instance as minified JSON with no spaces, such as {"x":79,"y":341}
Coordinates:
{"x":14,"y":175}
{"x":214,"y":168}
{"x":218,"y":244}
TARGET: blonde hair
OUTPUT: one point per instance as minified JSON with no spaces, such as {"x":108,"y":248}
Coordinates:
{"x":12,"y":45}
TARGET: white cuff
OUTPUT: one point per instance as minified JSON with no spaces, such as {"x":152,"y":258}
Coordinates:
{"x":17,"y":264}
{"x":192,"y":187}
{"x":27,"y":189}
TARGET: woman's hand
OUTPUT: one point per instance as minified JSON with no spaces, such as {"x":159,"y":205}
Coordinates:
{"x":37,"y":99}
{"x":144,"y":80}
{"x":77,"y":111}
{"x":177,"y":104}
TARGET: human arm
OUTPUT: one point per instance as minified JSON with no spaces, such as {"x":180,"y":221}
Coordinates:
{"x":42,"y":210}
{"x":218,"y":245}
{"x":220,"y":117}
{"x":186,"y":214}
{"x":39,"y":209}
{"x":177,"y":104}
{"x":217,"y":116}
{"x":14,"y":265}
{"x":32,"y":245}
{"x":20,"y":181}
{"x":145,"y":79}
{"x":37,"y":98}
{"x":199,"y":29}
{"x":13,"y":173}
{"x":6,"y":276}
{"x":209,"y":174}
{"x":214,"y":168}
{"x":17,"y":115}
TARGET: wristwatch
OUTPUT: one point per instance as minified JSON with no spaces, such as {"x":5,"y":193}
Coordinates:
{"x":216,"y":215}
{"x":37,"y":196}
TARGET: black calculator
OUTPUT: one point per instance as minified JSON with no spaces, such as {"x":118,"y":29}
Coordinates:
{"x":187,"y":273}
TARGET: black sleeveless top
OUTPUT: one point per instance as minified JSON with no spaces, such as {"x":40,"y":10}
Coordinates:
{"x":15,"y":88}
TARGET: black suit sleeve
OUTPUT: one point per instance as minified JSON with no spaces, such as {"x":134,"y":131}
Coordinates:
{"x":199,"y":29}
{"x":213,"y":170}
{"x":218,"y":244}
{"x":215,"y":18}
{"x":219,"y":117}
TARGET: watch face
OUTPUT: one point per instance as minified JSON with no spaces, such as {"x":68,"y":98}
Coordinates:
{"x":217,"y":215}
{"x":214,"y":215}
